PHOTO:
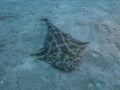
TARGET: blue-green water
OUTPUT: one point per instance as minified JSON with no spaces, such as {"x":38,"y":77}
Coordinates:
{"x":22,"y":33}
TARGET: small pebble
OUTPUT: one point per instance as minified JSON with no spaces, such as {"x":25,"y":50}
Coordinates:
{"x":98,"y":85}
{"x":1,"y":82}
{"x":90,"y":85}
{"x":95,"y":55}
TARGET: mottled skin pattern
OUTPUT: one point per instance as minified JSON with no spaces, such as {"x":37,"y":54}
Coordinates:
{"x":60,"y":49}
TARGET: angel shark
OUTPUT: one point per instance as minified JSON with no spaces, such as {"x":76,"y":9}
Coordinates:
{"x":60,"y":49}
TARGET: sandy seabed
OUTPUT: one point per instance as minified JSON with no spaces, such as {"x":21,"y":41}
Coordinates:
{"x":22,"y":33}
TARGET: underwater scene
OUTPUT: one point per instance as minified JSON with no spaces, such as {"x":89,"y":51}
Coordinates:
{"x":59,"y":44}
